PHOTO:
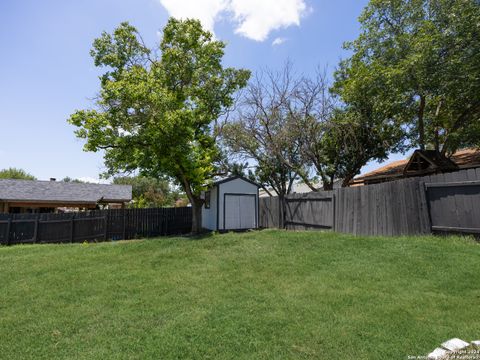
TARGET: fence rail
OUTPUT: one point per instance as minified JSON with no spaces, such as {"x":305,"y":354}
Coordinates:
{"x":97,"y":225}
{"x":448,"y":202}
{"x":314,"y":210}
{"x":455,"y":206}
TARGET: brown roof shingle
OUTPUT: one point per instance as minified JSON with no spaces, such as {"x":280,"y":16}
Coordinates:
{"x":464,"y":159}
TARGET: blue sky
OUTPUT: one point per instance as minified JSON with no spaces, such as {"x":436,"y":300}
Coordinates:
{"x":46,"y":71}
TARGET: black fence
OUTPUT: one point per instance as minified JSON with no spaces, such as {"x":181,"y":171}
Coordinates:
{"x":448,"y":202}
{"x":98,"y":225}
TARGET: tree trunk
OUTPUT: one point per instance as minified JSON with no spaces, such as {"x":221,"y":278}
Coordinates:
{"x":197,"y":204}
{"x":437,"y":140}
{"x":437,"y":131}
{"x":327,"y":183}
{"x":328,"y":186}
{"x":421,"y":123}
{"x":346,"y":181}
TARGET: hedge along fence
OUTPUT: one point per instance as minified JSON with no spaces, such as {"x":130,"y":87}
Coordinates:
{"x":97,"y":225}
{"x":448,"y":202}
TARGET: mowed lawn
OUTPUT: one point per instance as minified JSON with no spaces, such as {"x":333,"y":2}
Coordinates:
{"x":256,"y":295}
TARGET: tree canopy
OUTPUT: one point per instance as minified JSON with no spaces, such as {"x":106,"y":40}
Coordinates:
{"x":72,"y":180}
{"x":14,"y":173}
{"x":416,"y":66}
{"x":157,"y":108}
{"x":293,"y":127}
{"x":413,"y":80}
{"x":150,"y":192}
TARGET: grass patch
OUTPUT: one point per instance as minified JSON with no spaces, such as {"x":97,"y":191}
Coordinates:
{"x":256,"y":295}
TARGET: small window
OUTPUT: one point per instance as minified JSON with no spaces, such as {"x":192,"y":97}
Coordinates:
{"x":207,"y":200}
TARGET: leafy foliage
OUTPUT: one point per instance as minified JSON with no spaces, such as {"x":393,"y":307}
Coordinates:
{"x":293,"y":128}
{"x":72,"y":180}
{"x":416,"y":65}
{"x":156,"y":113}
{"x":413,"y":80}
{"x":150,"y":192}
{"x":349,"y":141}
{"x":14,"y":173}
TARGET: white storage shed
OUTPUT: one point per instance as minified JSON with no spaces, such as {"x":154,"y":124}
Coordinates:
{"x":231,"y":204}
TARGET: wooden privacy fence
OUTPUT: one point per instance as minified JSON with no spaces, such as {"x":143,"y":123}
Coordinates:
{"x":98,"y":225}
{"x":391,"y":208}
{"x":269,"y":212}
{"x":447,"y":202}
{"x":315,"y":210}
{"x":302,"y":211}
{"x":455,"y":206}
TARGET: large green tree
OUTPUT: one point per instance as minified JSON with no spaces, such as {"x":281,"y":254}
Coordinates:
{"x":416,"y":65}
{"x":348,"y":141}
{"x":157,"y":108}
{"x":14,"y":173}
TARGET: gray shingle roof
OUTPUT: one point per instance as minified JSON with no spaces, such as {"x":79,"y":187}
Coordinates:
{"x":67,"y":192}
{"x":230,"y":178}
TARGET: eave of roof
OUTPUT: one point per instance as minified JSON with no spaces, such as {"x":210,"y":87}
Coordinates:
{"x":394,"y":168}
{"x":36,"y":191}
{"x":464,"y":159}
{"x":231,"y":178}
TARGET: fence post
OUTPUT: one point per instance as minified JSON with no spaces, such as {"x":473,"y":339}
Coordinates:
{"x":427,"y":209}
{"x":281,"y":212}
{"x":72,"y":225}
{"x":105,"y":227}
{"x":334,"y":207}
{"x":165,"y":221}
{"x":124,"y":230}
{"x":9,"y":224}
{"x":35,"y":231}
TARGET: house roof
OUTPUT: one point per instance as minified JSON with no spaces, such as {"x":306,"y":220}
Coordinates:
{"x":464,"y":159}
{"x":62,"y":192}
{"x":231,"y":178}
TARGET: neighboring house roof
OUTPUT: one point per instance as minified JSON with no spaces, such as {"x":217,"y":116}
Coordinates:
{"x":62,"y":192}
{"x":302,"y":188}
{"x":462,"y":159}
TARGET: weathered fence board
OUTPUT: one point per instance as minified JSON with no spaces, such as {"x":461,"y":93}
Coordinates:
{"x":311,"y":210}
{"x":402,"y":207}
{"x":269,"y":212}
{"x":455,"y":206}
{"x":97,"y":225}
{"x":391,"y":208}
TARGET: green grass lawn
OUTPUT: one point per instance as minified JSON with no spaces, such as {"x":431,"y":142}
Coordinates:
{"x":255,"y":295}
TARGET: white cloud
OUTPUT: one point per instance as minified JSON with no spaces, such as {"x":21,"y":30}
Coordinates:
{"x":206,"y":11}
{"x":93,"y":180}
{"x":254,"y":19}
{"x":257,"y":18}
{"x":278,"y":41}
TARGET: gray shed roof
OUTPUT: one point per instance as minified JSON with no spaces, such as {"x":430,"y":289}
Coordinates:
{"x":224,"y":180}
{"x":62,"y":192}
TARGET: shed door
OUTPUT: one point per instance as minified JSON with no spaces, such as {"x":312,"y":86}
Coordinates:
{"x":240,"y":211}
